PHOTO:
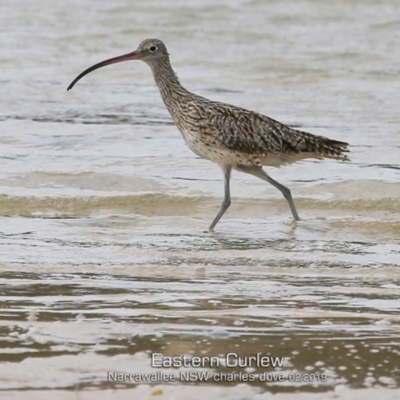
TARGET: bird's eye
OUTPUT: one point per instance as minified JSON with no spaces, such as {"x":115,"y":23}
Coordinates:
{"x":153,"y":48}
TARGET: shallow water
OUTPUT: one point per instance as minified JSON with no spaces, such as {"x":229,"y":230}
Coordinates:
{"x":105,"y":256}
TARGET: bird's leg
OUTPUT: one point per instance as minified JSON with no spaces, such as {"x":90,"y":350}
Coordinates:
{"x":226,"y":169}
{"x":260,"y":173}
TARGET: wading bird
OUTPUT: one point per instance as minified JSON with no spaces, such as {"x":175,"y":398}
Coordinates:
{"x":230,"y":136}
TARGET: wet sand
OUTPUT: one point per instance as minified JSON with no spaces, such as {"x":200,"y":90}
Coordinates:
{"x":105,"y":258}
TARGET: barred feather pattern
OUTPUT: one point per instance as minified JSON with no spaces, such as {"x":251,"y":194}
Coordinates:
{"x":230,"y":135}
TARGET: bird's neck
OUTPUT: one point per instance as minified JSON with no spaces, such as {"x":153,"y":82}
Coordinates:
{"x":168,"y":83}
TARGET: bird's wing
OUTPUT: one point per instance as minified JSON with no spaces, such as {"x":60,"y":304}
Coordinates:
{"x":249,"y":132}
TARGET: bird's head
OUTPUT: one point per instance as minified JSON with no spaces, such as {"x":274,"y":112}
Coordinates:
{"x":151,"y":51}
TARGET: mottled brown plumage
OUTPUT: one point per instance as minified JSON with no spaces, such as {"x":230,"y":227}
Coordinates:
{"x":230,"y":136}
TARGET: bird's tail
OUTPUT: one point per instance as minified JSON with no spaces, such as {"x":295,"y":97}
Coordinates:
{"x":333,"y":148}
{"x":323,"y":146}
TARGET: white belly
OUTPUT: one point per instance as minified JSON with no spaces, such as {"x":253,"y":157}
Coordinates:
{"x":217,"y":154}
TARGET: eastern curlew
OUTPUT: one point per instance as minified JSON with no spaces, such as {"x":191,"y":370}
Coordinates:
{"x":230,"y":136}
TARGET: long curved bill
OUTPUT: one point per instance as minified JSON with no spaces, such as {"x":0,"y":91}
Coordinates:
{"x":126,"y":57}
